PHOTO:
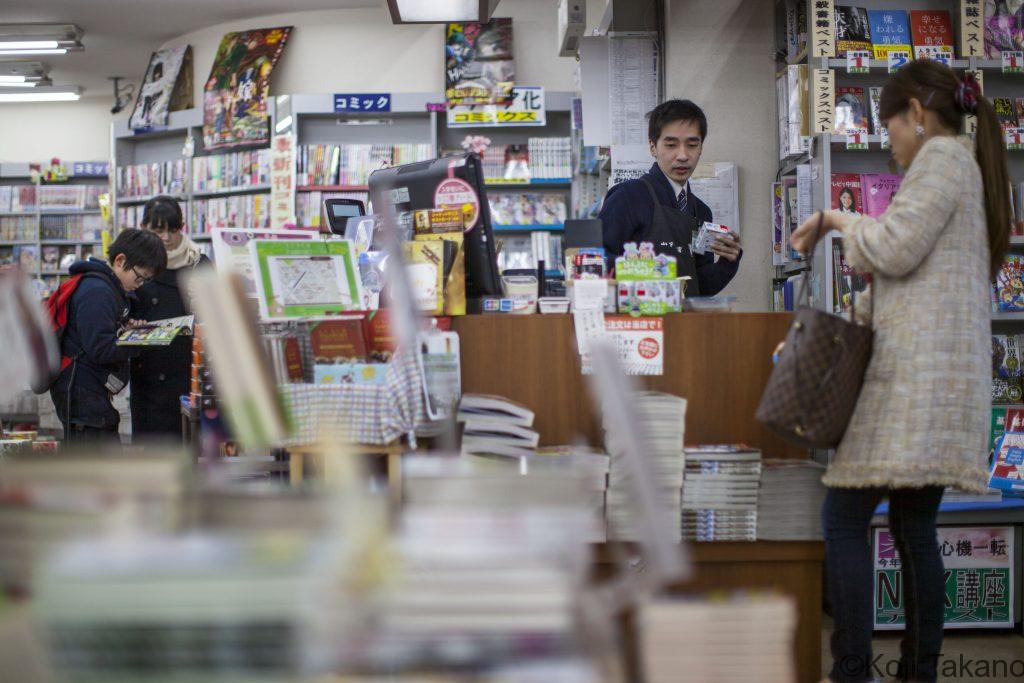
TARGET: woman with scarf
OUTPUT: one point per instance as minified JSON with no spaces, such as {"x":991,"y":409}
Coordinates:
{"x":160,"y":374}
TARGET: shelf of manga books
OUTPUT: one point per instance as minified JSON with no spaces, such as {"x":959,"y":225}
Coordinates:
{"x":833,"y":151}
{"x":50,"y":217}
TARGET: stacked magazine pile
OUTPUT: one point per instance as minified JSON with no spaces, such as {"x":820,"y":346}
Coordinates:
{"x":720,"y":493}
{"x":493,"y":425}
{"x":745,"y":638}
{"x":661,"y":426}
{"x":791,"y":498}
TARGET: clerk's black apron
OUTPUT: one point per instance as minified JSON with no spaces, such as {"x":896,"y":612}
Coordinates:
{"x":671,"y":231}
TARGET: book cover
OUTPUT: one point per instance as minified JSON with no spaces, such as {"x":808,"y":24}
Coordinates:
{"x":874,"y":100}
{"x":51,"y":258}
{"x":474,"y":406}
{"x":1002,"y":27}
{"x":27,"y":256}
{"x":156,"y":332}
{"x":1010,"y":284}
{"x":293,"y":360}
{"x":930,"y":29}
{"x":853,"y":31}
{"x":890,"y":31}
{"x":846,"y":193}
{"x":778,"y":228}
{"x":335,"y":341}
{"x":1006,"y":382}
{"x":851,"y":111}
{"x":479,"y":68}
{"x":1005,"y":111}
{"x":878,"y":190}
{"x":1007,"y":473}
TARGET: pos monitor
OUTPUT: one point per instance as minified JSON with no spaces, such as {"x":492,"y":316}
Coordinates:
{"x":452,"y":182}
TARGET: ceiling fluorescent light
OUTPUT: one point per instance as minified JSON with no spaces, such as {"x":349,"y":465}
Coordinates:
{"x":7,"y":79}
{"x":61,"y":94}
{"x":29,"y":44}
{"x":18,"y":84}
{"x":440,"y":11}
{"x":54,"y":51}
{"x":39,"y":39}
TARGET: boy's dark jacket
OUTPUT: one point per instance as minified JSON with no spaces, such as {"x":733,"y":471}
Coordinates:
{"x":98,"y":308}
{"x":628,"y":209}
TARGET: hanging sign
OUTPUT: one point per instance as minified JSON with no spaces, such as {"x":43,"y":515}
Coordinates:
{"x":282,"y":181}
{"x":824,"y":103}
{"x":526,"y":108}
{"x":972,"y":36}
{"x":360,"y":102}
{"x":823,"y":32}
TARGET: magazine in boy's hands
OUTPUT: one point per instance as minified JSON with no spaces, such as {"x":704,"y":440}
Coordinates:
{"x":156,"y":332}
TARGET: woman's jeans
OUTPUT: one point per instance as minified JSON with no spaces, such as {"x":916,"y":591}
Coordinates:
{"x":846,"y":518}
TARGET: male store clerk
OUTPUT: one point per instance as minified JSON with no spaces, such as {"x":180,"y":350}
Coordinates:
{"x":659,"y":207}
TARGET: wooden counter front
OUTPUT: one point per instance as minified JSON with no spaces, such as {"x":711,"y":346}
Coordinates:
{"x":719,"y":362}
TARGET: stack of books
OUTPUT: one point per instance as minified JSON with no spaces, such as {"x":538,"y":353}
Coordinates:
{"x":353,"y":164}
{"x":744,"y":638}
{"x":145,"y":180}
{"x":493,"y":425}
{"x":17,"y":198}
{"x":790,"y":502}
{"x":720,"y":493}
{"x":237,"y":211}
{"x":18,"y":229}
{"x":82,"y":228}
{"x":230,"y":171}
{"x":661,"y":425}
{"x":46,"y":501}
{"x":550,"y":158}
{"x":69,"y":197}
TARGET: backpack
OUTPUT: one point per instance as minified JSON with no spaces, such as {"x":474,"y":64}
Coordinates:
{"x":58,"y":309}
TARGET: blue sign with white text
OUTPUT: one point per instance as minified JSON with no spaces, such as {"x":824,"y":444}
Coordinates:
{"x":90,"y":169}
{"x":360,"y":102}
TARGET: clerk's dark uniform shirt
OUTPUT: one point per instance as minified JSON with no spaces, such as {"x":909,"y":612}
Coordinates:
{"x":629,"y":211}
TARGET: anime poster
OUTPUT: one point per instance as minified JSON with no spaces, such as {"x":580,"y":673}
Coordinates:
{"x":478,"y":62}
{"x":166,"y":87}
{"x":235,"y":98}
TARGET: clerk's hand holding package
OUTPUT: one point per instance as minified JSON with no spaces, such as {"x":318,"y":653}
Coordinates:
{"x":728,"y":246}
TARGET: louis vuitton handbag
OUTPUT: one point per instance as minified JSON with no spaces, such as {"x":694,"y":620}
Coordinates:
{"x":813,"y":389}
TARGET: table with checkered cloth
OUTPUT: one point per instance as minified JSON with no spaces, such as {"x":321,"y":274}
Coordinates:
{"x":365,"y":414}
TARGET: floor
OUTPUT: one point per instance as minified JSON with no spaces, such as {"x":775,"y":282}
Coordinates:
{"x":995,"y":657}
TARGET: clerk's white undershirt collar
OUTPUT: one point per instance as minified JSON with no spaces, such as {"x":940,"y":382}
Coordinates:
{"x":677,"y":188}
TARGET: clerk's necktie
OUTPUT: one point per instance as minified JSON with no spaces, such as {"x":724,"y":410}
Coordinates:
{"x":681,"y":200}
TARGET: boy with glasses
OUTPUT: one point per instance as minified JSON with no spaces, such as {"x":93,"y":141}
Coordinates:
{"x":98,"y":310}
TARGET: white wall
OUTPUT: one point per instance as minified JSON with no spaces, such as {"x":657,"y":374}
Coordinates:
{"x":719,"y":54}
{"x":72,"y":131}
{"x":360,"y":50}
{"x":328,"y":51}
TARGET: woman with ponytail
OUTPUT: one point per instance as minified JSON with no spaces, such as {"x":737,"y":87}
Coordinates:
{"x":922,"y":419}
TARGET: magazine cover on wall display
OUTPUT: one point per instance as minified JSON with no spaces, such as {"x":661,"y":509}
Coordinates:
{"x":235,"y":97}
{"x":1003,"y":27}
{"x":166,"y":87}
{"x":479,"y":68}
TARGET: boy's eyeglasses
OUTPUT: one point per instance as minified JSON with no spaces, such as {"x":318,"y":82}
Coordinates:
{"x":140,"y":279}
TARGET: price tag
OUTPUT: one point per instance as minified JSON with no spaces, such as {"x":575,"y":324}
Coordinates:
{"x":856,"y":140}
{"x":1015,"y":139}
{"x":858,"y":62}
{"x":898,"y":58}
{"x":939,"y":53}
{"x":1013,"y":62}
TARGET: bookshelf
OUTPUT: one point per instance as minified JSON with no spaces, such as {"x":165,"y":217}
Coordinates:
{"x":827,"y":154}
{"x":43,"y":236}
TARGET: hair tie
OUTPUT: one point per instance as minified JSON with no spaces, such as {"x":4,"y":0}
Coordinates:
{"x":968,"y":93}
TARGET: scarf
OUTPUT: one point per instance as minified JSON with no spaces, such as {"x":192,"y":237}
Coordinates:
{"x":185,"y":255}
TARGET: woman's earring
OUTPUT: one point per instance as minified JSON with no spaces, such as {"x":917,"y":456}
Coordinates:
{"x":919,"y":131}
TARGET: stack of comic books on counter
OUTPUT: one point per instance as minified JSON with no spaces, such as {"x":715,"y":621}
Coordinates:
{"x":790,"y":501}
{"x":720,"y":493}
{"x":661,"y":424}
{"x":744,"y":637}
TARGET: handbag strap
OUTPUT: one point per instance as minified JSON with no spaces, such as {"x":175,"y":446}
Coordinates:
{"x":803,"y":292}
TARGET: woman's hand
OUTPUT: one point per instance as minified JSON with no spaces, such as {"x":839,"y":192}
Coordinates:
{"x":806,"y":236}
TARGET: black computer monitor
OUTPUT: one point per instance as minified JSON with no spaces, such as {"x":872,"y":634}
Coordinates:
{"x":449,"y":182}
